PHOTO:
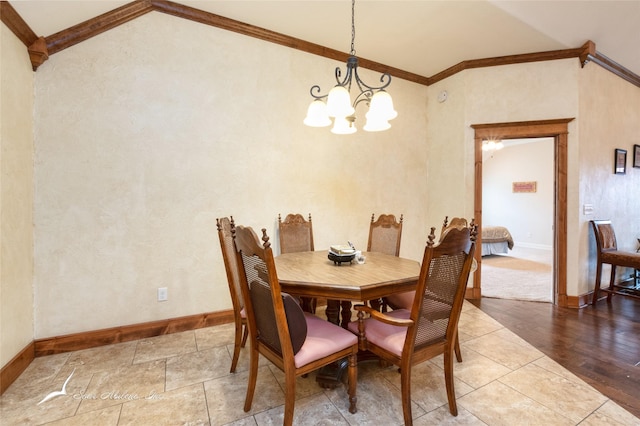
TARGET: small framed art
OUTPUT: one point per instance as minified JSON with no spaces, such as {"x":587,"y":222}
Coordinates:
{"x":620,"y":159}
{"x":636,"y":156}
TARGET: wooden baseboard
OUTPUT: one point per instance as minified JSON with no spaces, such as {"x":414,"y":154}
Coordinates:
{"x":108,"y":336}
{"x":14,"y":368}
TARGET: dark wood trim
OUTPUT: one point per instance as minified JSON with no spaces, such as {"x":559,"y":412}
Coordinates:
{"x":591,"y":55}
{"x":16,"y":24}
{"x":506,"y":60}
{"x":558,"y":129}
{"x":14,"y":368}
{"x":92,"y":27}
{"x":221,"y":22}
{"x":108,"y":336}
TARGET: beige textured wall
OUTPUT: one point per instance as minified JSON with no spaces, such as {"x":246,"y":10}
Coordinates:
{"x":147,"y":133}
{"x":16,"y":197}
{"x":609,"y":119}
{"x":521,"y":92}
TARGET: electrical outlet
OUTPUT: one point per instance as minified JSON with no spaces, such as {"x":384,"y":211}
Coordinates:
{"x":163,"y":294}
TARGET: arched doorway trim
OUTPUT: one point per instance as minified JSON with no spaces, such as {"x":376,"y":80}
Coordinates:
{"x":558,"y":130}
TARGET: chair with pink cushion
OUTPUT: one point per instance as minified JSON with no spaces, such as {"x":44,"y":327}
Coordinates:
{"x":405,"y":300}
{"x":295,"y":341}
{"x":225,"y":226}
{"x":408,"y":337}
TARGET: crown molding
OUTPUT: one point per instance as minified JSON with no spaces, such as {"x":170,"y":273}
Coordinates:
{"x":41,"y":47}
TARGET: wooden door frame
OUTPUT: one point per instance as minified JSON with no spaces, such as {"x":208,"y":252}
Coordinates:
{"x":558,"y":130}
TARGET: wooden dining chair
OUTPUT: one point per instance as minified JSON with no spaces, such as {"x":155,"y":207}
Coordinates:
{"x":296,"y":235}
{"x":385,"y":234}
{"x":607,"y":253}
{"x":295,"y":341}
{"x":225,"y":226}
{"x":456,"y":222}
{"x":405,"y":300}
{"x":408,"y":337}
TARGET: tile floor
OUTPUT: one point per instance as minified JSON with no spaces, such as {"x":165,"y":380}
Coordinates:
{"x":184,"y":378}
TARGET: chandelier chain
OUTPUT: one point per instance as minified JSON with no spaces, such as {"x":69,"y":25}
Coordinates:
{"x":353,"y":27}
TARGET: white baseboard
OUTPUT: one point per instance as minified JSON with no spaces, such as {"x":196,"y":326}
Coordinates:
{"x":532,"y":245}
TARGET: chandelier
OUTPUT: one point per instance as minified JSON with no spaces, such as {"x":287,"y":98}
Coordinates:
{"x":337,"y":104}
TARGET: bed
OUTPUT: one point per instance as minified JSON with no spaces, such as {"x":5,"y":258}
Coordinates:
{"x":496,"y":240}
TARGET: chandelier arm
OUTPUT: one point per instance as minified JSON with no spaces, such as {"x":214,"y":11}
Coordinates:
{"x":316,"y":88}
{"x":364,"y":96}
{"x":347,"y":77}
{"x":386,"y":76}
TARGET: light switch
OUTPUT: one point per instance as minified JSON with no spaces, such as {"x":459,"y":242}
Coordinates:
{"x":587,"y":209}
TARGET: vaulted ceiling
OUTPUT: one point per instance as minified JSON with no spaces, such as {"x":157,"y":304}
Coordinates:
{"x":420,"y":37}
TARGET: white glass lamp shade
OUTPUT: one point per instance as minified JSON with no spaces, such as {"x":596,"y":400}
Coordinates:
{"x":317,"y":114}
{"x":382,"y":105}
{"x":342,"y":126}
{"x":376,"y":123}
{"x":339,"y":102}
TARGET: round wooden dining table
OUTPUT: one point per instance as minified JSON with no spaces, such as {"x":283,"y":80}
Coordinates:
{"x":312,"y":274}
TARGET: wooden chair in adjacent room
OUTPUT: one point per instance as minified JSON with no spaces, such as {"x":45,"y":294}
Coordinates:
{"x":296,"y":235}
{"x":608,"y":253}
{"x":293,"y":340}
{"x":225,"y":226}
{"x":408,"y":337}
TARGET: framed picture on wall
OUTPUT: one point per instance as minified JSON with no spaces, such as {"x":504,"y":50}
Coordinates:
{"x":636,"y":156}
{"x":620,"y":159}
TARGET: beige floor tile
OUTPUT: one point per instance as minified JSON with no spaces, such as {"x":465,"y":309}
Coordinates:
{"x":428,"y":388}
{"x":132,"y":382}
{"x":611,"y":413}
{"x":498,"y":404}
{"x":379,"y":400}
{"x":36,"y":404}
{"x":165,"y":346}
{"x":499,"y":347}
{"x":187,"y":376}
{"x":226,"y":396}
{"x":213,"y":337}
{"x":573,"y":400}
{"x":475,"y":370}
{"x":305,"y":386}
{"x":476,"y":323}
{"x":105,"y":417}
{"x":103,"y":358}
{"x":197,"y":367}
{"x":309,"y":411}
{"x":442,"y":417}
{"x":184,"y":406}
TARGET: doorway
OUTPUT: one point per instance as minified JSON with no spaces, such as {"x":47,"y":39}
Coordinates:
{"x":558,"y":130}
{"x":517,"y":204}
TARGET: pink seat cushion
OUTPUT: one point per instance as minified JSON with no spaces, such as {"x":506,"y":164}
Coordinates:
{"x":401,"y":300}
{"x":387,"y":336}
{"x":323,"y":339}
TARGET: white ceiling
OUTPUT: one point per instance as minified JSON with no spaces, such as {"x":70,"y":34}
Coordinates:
{"x":419,"y":36}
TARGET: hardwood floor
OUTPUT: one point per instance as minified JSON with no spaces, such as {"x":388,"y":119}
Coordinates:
{"x":599,"y":344}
